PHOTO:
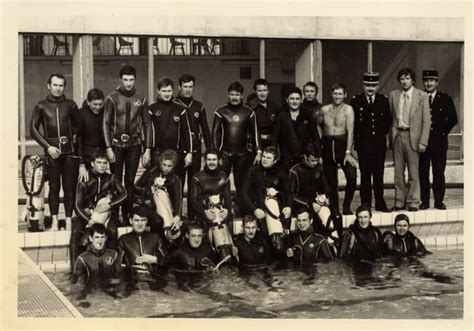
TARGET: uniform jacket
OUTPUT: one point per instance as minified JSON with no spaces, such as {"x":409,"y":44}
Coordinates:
{"x":420,"y":119}
{"x":443,"y":119}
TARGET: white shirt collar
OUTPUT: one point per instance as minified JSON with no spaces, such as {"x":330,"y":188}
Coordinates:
{"x":409,"y":92}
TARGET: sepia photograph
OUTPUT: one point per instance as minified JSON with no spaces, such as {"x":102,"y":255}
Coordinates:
{"x":210,"y":163}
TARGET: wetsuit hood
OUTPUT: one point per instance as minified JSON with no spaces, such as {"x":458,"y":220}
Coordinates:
{"x":125,"y":92}
{"x":54,"y":99}
{"x":211,"y":172}
{"x":305,"y":234}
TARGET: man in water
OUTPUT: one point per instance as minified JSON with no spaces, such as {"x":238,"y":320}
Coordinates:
{"x":250,"y":246}
{"x":97,"y":263}
{"x":141,"y":250}
{"x":305,"y":244}
{"x":337,"y":121}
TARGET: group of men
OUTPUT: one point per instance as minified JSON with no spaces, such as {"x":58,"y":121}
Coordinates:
{"x":295,"y":149}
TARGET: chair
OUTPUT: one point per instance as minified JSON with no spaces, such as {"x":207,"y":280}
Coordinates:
{"x":96,"y":44}
{"x":215,"y":42}
{"x":59,"y":43}
{"x":124,"y":43}
{"x":155,"y":45}
{"x":200,"y":44}
{"x":174,"y":45}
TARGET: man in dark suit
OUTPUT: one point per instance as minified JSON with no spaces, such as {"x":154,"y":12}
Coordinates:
{"x":409,"y":138}
{"x":443,"y":119}
{"x":371,"y":125}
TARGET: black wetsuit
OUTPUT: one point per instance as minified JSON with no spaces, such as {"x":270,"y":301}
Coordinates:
{"x":311,"y":107}
{"x":306,"y":183}
{"x":186,"y":257}
{"x":199,"y":132}
{"x":131,"y":246}
{"x":145,"y":195}
{"x":407,"y":245}
{"x":87,"y":195}
{"x":309,"y":246}
{"x":206,"y":183}
{"x":90,"y":136}
{"x":292,"y":136}
{"x":96,"y":265}
{"x":254,"y":252}
{"x":171,"y":131}
{"x":361,"y":244}
{"x":59,"y":118}
{"x":232,"y":126}
{"x":266,"y":116}
{"x":125,"y":118}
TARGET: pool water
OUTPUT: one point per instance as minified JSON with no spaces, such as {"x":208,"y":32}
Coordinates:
{"x":417,"y":288}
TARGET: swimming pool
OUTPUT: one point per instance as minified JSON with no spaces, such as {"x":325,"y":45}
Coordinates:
{"x":418,"y":288}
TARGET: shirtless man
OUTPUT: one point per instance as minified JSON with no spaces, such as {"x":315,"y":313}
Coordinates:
{"x":337,"y":121}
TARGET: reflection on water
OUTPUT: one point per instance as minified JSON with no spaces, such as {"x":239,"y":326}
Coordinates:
{"x":429,"y":287}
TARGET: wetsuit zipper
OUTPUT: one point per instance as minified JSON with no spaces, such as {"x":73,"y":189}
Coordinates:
{"x":59,"y":131}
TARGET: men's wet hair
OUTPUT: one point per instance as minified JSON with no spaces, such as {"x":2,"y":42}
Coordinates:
{"x":99,"y":154}
{"x":164,"y":82}
{"x":272,"y":150}
{"x":213,"y":151}
{"x":248,"y":219}
{"x":57,"y":75}
{"x":98,"y":228}
{"x":406,"y":72}
{"x":301,"y":210}
{"x":194,"y":225}
{"x":311,"y":149}
{"x":127,"y":70}
{"x":236,"y":86}
{"x":260,"y":81}
{"x":362,"y":208}
{"x":95,"y":94}
{"x":186,"y":78}
{"x":168,"y":155}
{"x":294,"y":89}
{"x":311,"y":84}
{"x":141,"y":211}
{"x":338,"y":86}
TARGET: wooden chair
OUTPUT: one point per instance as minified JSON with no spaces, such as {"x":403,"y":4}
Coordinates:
{"x":155,"y":45}
{"x":174,"y":45}
{"x":96,"y":44}
{"x":124,"y":43}
{"x":59,"y":43}
{"x":200,"y":46}
{"x":215,"y":42}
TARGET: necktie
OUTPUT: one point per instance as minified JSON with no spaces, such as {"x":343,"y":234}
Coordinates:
{"x":431,"y":99}
{"x":406,"y":109}
{"x":370,"y":100}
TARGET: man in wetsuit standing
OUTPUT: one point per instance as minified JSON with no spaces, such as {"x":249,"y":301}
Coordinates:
{"x":265,"y":111}
{"x":99,"y":185}
{"x":171,"y":127}
{"x":59,"y":118}
{"x":231,"y":125}
{"x":125,"y":119}
{"x":208,"y":182}
{"x":198,"y":126}
{"x":337,"y":120}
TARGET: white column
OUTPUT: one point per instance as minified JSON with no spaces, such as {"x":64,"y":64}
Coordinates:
{"x":21,"y":95}
{"x":262,"y":59}
{"x":151,"y":81}
{"x":82,"y":67}
{"x":370,"y":63}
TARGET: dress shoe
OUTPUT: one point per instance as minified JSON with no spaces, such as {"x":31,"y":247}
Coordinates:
{"x":412,"y":209}
{"x":440,"y":206}
{"x":383,"y":209}
{"x":424,"y":206}
{"x":396,"y":208}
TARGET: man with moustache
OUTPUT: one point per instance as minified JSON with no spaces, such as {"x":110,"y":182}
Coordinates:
{"x":411,"y":122}
{"x":371,"y":126}
{"x":337,"y":121}
{"x":443,"y":119}
{"x":198,"y":126}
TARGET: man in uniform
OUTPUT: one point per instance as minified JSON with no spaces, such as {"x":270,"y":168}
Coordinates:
{"x":293,"y":129}
{"x":337,"y":120}
{"x":59,"y":118}
{"x":265,"y":110}
{"x":198,"y":126}
{"x":171,"y":128}
{"x":125,"y":119}
{"x":409,"y":136}
{"x":371,"y":126}
{"x":443,"y":119}
{"x":230,"y":127}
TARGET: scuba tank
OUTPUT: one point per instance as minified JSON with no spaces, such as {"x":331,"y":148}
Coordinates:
{"x":331,"y":223}
{"x":103,"y":217}
{"x":33,"y":178}
{"x":220,"y":234}
{"x":272,"y":219}
{"x":163,"y":208}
